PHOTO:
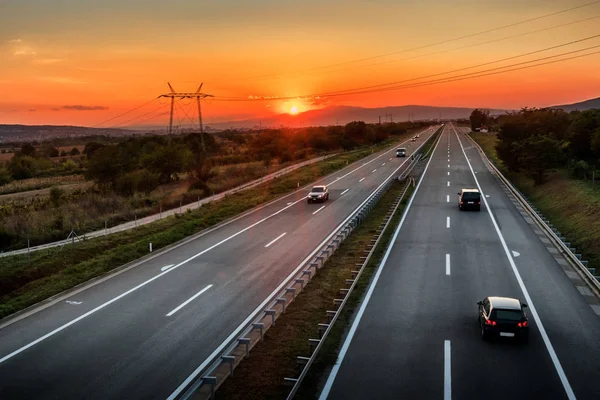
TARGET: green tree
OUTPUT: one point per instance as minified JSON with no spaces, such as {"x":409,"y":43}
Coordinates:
{"x":169,"y":161}
{"x":50,"y":151}
{"x":540,"y":154}
{"x":5,"y":176}
{"x":74,"y":151}
{"x":479,"y":117}
{"x":28,"y":150}
{"x":91,"y":147}
{"x":581,"y":133}
{"x":104,"y":167}
{"x":22,"y":167}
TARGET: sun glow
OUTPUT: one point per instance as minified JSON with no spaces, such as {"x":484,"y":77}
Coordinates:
{"x":293,"y":110}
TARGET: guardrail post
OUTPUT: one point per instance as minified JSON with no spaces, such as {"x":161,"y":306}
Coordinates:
{"x":212,"y":381}
{"x":322,"y":328}
{"x":272,"y":314}
{"x":300,"y":281}
{"x":260,"y":326}
{"x":245,"y":341}
{"x":292,"y":291}
{"x":231,"y":361}
{"x":281,"y":301}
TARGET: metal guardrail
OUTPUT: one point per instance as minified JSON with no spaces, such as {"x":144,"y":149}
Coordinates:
{"x":346,"y":292}
{"x":564,"y":248}
{"x":211,"y":374}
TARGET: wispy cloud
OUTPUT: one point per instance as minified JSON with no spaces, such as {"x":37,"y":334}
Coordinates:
{"x":48,"y":60}
{"x":24,"y":51}
{"x":84,"y":108}
{"x":15,"y":41}
{"x":61,"y":80}
{"x":32,"y":110}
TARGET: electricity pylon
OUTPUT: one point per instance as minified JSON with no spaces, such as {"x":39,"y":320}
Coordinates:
{"x":198,"y":96}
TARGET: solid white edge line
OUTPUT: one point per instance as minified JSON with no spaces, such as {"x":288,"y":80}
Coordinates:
{"x":276,"y":239}
{"x":346,"y":345}
{"x":361,"y":180}
{"x":536,"y":317}
{"x":447,"y":371}
{"x":447,"y":222}
{"x":447,"y":264}
{"x":322,"y":207}
{"x":107,"y":303}
{"x":344,"y":192}
{"x":185,"y":303}
{"x":261,"y":306}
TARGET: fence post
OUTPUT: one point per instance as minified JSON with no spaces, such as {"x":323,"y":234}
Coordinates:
{"x":150,"y":247}
{"x":180,"y":201}
{"x":28,"y":253}
{"x":160,"y":214}
{"x":198,"y":201}
{"x":105,"y":227}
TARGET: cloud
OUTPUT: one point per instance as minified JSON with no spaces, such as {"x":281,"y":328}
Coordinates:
{"x":32,"y":110}
{"x":48,"y":60}
{"x":15,"y":41}
{"x":55,"y":109}
{"x":24,"y":51}
{"x":84,"y":108}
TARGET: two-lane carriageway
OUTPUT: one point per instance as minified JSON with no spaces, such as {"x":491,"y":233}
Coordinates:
{"x":142,"y":331}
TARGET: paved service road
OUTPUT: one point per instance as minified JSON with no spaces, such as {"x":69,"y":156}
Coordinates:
{"x":417,"y":336}
{"x":141,"y":333}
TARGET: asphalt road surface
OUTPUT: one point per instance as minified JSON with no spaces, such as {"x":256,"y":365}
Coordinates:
{"x":416,"y":335}
{"x":142,"y":332}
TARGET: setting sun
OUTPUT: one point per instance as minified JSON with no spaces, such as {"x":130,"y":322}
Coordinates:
{"x":294,"y":110}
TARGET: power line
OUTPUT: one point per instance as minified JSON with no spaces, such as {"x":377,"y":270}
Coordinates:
{"x":417,"y":84}
{"x":122,"y":114}
{"x":140,"y":116}
{"x":471,"y":67}
{"x":479,"y":74}
{"x":463,"y":47}
{"x":429,"y":45}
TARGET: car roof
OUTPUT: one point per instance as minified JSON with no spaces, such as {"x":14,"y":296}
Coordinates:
{"x":319,"y":186}
{"x":507,"y":303}
{"x":402,"y":148}
{"x":470,"y":190}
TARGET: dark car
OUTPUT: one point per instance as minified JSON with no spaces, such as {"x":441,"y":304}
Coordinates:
{"x":503,"y":317}
{"x":401,"y":152}
{"x":318,"y":194}
{"x":469,"y":199}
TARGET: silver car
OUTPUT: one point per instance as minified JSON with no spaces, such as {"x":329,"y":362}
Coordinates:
{"x":318,"y":194}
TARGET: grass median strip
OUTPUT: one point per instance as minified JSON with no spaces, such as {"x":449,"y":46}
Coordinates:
{"x":24,"y":283}
{"x":262,"y":374}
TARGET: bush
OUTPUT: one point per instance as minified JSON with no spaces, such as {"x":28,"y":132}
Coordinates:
{"x":5,"y":176}
{"x":147,"y":181}
{"x":56,"y":195}
{"x":74,"y":151}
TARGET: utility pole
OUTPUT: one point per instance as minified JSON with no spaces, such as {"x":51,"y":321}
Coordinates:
{"x":186,"y":95}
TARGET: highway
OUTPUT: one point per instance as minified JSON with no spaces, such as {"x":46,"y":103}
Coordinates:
{"x":416,"y":334}
{"x":141,"y":332}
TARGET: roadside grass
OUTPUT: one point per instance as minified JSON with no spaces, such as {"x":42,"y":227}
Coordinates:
{"x":571,"y":205}
{"x":52,"y":271}
{"x":488,"y":142}
{"x":261,"y":375}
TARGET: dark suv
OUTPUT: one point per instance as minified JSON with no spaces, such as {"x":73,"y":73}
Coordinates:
{"x":469,"y":199}
{"x":503,"y":317}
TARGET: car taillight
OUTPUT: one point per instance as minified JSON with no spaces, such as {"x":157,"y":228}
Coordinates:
{"x":478,"y":203}
{"x":461,"y":202}
{"x":490,"y":322}
{"x":522,"y":324}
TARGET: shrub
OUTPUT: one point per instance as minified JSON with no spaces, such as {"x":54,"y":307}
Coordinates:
{"x":56,"y":195}
{"x":5,"y":176}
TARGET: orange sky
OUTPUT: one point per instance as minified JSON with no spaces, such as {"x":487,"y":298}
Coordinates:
{"x":72,"y":62}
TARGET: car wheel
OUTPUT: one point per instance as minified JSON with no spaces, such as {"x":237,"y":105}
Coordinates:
{"x":308,"y":201}
{"x":478,"y":208}
{"x":524,"y":339}
{"x":327,"y":196}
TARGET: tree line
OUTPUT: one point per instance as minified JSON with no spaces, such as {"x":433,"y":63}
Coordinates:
{"x":536,"y":141}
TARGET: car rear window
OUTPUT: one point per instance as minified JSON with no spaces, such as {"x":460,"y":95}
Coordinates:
{"x":317,"y":189}
{"x":509,"y":315}
{"x":470,"y":196}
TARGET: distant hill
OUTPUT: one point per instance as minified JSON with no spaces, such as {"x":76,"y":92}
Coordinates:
{"x":343,"y":114}
{"x":25,"y":133}
{"x":581,"y":106}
